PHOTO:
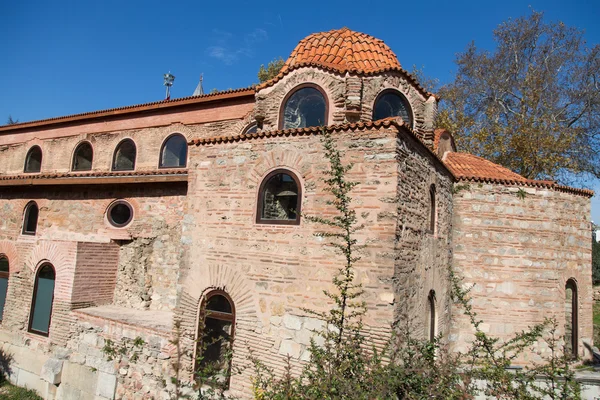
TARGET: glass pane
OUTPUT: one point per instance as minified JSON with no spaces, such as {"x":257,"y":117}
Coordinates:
{"x":217,"y":339}
{"x":125,"y":156}
{"x":280,"y":198}
{"x":252,"y":129}
{"x":218,"y":303}
{"x":31,"y":218}
{"x":3,"y":264}
{"x":120,"y":214}
{"x":305,"y":108}
{"x":174,"y":152}
{"x":82,"y":160}
{"x":42,"y":308}
{"x":33,"y":162}
{"x":392,"y":104}
{"x":3,"y":288}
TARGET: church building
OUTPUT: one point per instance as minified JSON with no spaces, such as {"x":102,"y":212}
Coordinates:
{"x":119,"y":228}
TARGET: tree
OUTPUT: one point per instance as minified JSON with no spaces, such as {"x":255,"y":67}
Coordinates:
{"x":11,"y":121}
{"x":533,"y":104}
{"x":273,"y":68}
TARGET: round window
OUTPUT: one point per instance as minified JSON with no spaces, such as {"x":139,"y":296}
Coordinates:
{"x":119,"y":213}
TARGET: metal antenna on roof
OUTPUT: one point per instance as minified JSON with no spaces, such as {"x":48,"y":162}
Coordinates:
{"x":199,"y":89}
{"x":168,"y":82}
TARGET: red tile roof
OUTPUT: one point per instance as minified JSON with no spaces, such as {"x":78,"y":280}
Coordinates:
{"x":344,"y":50}
{"x":227,"y":94}
{"x":467,"y":167}
{"x":94,"y":177}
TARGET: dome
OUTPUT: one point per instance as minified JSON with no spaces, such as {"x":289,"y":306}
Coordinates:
{"x":343,"y":50}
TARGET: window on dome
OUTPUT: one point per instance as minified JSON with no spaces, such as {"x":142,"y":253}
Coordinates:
{"x":82,"y":158}
{"x":571,"y":320}
{"x":174,"y":152}
{"x":31,"y":219}
{"x":304,"y":108}
{"x":3,"y":283}
{"x":124,"y":158}
{"x":43,"y":296}
{"x":432,"y":316}
{"x":432,"y":209}
{"x":215,"y":334}
{"x":251,"y":129}
{"x":391,"y":103}
{"x":33,"y":161}
{"x":279,"y":199}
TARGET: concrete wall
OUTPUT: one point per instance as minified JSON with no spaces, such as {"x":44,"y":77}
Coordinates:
{"x":519,"y":246}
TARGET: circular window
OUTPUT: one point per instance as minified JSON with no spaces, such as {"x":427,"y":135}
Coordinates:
{"x":119,"y":213}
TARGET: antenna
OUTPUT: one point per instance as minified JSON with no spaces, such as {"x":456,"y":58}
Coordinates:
{"x":168,"y":82}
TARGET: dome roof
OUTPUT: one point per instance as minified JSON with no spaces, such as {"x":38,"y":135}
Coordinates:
{"x":343,"y":50}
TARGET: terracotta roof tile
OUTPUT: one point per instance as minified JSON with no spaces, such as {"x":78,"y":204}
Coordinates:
{"x":468,"y":167}
{"x":343,"y":50}
{"x":133,"y":108}
{"x":95,"y":174}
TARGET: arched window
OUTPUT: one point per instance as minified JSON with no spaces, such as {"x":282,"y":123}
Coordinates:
{"x":33,"y":161}
{"x":390,"y":103}
{"x":571,"y":320}
{"x":215,"y":334}
{"x":82,"y":157}
{"x":173,"y":153}
{"x":432,"y":316}
{"x":251,"y":129}
{"x":303,"y":108}
{"x":43,"y":296}
{"x":432,"y":209}
{"x":30,"y":219}
{"x":124,"y":158}
{"x":3,"y":283}
{"x":279,"y":199}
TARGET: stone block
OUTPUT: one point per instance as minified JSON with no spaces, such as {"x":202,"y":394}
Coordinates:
{"x":52,"y":371}
{"x":292,"y":322}
{"x":29,"y":380}
{"x":290,"y":347}
{"x":106,"y":386}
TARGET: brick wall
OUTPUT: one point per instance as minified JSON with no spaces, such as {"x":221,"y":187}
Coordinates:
{"x":95,"y":275}
{"x":519,"y":250}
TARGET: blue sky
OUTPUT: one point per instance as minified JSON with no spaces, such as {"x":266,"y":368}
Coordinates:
{"x":67,"y":57}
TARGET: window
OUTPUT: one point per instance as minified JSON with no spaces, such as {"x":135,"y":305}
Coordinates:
{"x":82,"y":157}
{"x":391,"y":103}
{"x":279,"y":199}
{"x":124,"y":158}
{"x":33,"y":161}
{"x":432,"y":317}
{"x":251,"y":129}
{"x":174,"y":152}
{"x":216,"y":333}
{"x":432,"y":209}
{"x":304,"y":108}
{"x":3,"y":283}
{"x":571,"y":323}
{"x":31,"y":218}
{"x":119,"y":213}
{"x":43,"y":296}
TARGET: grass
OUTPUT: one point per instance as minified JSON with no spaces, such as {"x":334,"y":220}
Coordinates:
{"x":10,"y":392}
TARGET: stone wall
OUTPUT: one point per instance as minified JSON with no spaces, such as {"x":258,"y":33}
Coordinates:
{"x":350,"y":98}
{"x":273,"y":271}
{"x":422,"y":257}
{"x":518,"y":247}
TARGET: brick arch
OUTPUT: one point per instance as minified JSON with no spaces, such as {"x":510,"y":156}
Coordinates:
{"x":202,"y":280}
{"x":58,"y":256}
{"x":9,"y":250}
{"x":177,"y":127}
{"x":280,"y":158}
{"x":241,"y":125}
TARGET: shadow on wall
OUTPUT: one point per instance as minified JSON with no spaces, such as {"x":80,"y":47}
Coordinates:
{"x":5,"y":370}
